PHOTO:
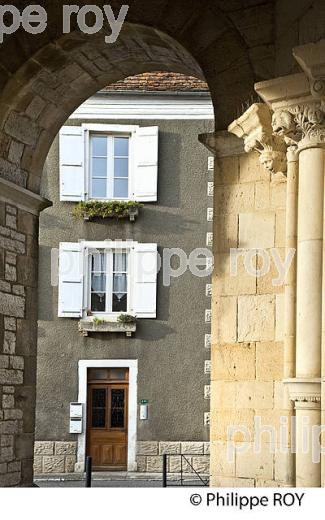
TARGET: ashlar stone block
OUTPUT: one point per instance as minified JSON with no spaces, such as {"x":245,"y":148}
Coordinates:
{"x":256,"y":318}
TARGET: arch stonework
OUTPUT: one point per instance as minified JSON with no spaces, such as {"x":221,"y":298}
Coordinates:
{"x":232,"y":44}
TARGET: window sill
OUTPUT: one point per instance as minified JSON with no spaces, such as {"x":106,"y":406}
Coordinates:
{"x":87,"y":326}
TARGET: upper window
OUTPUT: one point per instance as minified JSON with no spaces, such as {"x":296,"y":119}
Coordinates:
{"x":109,"y":167}
{"x":108,"y":162}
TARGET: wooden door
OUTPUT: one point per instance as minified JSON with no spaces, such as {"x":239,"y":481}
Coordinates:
{"x":107,"y":435}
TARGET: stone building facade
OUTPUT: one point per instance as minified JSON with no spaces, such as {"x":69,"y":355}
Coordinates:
{"x":234,"y":45}
{"x":168,"y":354}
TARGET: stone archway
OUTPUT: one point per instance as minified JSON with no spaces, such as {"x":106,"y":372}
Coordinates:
{"x":45,"y":79}
{"x":38,"y":100}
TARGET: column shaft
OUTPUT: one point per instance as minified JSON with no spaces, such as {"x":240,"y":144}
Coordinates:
{"x":291,"y":277}
{"x":309,"y":262}
{"x":308,"y":417}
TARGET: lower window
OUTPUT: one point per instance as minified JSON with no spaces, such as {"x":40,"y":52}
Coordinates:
{"x":109,"y":282}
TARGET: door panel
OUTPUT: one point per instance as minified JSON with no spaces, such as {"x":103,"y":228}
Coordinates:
{"x":107,"y":435}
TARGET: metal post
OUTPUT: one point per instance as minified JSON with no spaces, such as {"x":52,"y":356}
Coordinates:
{"x":164,"y":470}
{"x":89,"y":463}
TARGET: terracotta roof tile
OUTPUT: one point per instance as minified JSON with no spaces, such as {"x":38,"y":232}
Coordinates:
{"x":159,"y":82}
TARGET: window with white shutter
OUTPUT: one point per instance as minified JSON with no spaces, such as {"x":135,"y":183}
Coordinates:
{"x":146,"y":164}
{"x":109,"y":162}
{"x":106,"y":279}
{"x":145,"y":280}
{"x":71,"y":280}
{"x":72,"y":163}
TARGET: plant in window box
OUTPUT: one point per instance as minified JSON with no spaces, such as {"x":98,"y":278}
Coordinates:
{"x":126,"y":324}
{"x":118,"y":209}
{"x":126,"y":318}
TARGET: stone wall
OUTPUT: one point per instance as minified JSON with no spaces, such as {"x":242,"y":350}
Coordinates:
{"x":247,"y":332}
{"x":52,"y":457}
{"x":149,"y":456}
{"x":18,"y":315}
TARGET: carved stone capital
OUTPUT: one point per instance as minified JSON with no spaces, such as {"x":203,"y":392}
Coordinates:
{"x":255,"y":128}
{"x":303,"y":123}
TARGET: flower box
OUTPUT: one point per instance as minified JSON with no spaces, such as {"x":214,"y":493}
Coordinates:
{"x":90,"y":325}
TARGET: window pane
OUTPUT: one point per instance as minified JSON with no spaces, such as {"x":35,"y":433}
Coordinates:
{"x":98,"y":302}
{"x":120,"y":283}
{"x":117,"y":408}
{"x":98,"y":262}
{"x":98,"y":373}
{"x":98,"y":283}
{"x":98,"y":408}
{"x":121,"y":146}
{"x":121,"y":188}
{"x":121,"y":168}
{"x":120,"y":262}
{"x":118,"y":373}
{"x":99,"y":188}
{"x":120,"y":303}
{"x":99,"y":167}
{"x":99,"y":146}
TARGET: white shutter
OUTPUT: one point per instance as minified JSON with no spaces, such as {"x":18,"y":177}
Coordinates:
{"x":71,"y":276}
{"x":146,"y":164}
{"x":145,"y":280}
{"x":72,"y":163}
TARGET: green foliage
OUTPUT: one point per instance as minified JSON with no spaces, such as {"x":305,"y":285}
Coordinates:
{"x":122,"y":318}
{"x":98,"y":321}
{"x":104,"y":209}
{"x":126,"y":318}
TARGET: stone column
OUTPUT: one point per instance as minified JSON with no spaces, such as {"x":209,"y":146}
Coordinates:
{"x":307,"y":119}
{"x":297,"y":102}
{"x":308,"y":417}
{"x":291,"y":276}
{"x":309,"y":296}
{"x":19,"y":211}
{"x":309,"y":259}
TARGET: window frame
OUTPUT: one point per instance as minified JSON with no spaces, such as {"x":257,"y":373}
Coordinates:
{"x":110,"y":131}
{"x":110,"y":165}
{"x":109,"y":274}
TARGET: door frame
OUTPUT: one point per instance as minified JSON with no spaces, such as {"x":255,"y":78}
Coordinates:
{"x":132,"y":365}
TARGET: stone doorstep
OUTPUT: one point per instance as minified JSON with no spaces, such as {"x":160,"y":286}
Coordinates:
{"x":118,"y":476}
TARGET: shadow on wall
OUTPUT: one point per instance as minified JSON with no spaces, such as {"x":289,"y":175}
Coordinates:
{"x":45,"y":297}
{"x":169,"y":164}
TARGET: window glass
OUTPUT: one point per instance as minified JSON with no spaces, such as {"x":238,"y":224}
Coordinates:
{"x":121,"y":188}
{"x":121,"y":146}
{"x":119,"y":300}
{"x":109,"y":167}
{"x":99,"y":168}
{"x":99,"y":144}
{"x":98,"y":373}
{"x":121,"y":167}
{"x":98,"y":282}
{"x":117,"y":408}
{"x":99,"y":188}
{"x":98,"y":408}
{"x":118,"y":373}
{"x":99,"y":164}
{"x":109,"y":289}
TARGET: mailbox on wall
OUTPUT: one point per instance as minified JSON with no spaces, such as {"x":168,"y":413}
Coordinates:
{"x":76,"y":414}
{"x":144,"y":410}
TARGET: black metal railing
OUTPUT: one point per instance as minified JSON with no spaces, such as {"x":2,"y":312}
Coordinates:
{"x":187,"y":480}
